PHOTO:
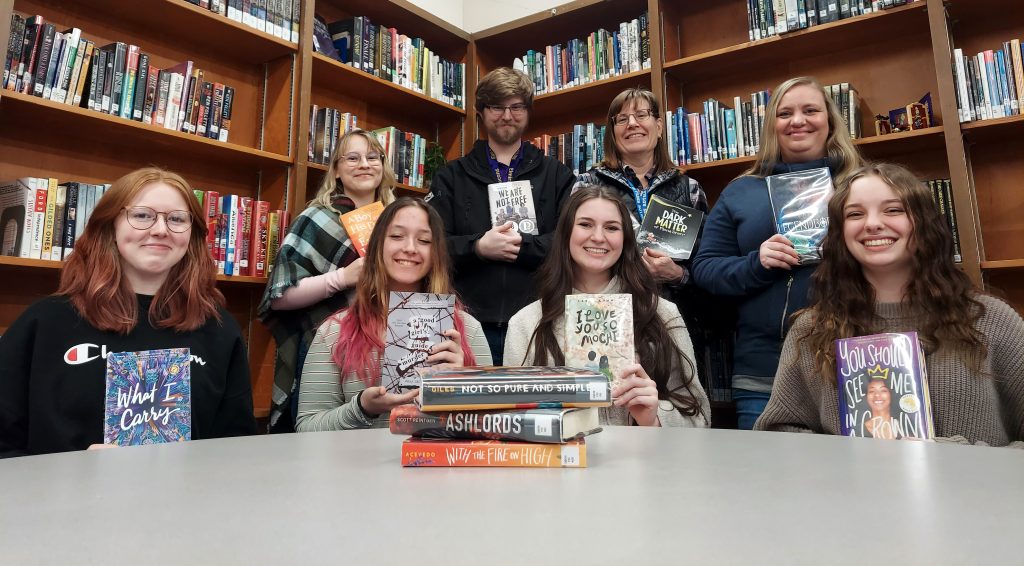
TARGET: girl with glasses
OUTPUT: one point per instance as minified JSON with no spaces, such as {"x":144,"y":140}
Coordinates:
{"x":340,"y":387}
{"x":140,"y":278}
{"x":317,"y":265}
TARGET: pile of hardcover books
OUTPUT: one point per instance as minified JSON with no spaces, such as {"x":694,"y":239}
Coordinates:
{"x":502,"y":416}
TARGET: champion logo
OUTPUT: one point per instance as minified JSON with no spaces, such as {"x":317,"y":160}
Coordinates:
{"x":86,"y":352}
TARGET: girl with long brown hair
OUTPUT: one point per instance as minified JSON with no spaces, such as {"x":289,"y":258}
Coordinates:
{"x":140,"y":278}
{"x":594,"y":252}
{"x":742,"y":257}
{"x":340,"y":387}
{"x":317,"y":266}
{"x":888,"y":266}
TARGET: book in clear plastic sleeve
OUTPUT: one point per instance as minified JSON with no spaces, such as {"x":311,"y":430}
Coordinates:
{"x":800,"y":204}
{"x":416,"y":322}
{"x":513,"y":202}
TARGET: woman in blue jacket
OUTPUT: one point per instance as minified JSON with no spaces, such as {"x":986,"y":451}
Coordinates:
{"x":742,"y":256}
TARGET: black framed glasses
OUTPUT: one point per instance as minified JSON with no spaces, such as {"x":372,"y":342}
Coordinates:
{"x":499,"y":110}
{"x":640,"y":116}
{"x":143,"y":218}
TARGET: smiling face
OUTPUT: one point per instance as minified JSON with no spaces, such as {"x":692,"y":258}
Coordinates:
{"x":801,"y":124}
{"x":596,"y":241}
{"x":636,"y":139}
{"x":879,"y":397}
{"x":148,"y":255}
{"x":505,"y":128}
{"x":877,"y":229}
{"x":360,"y":178}
{"x":407,"y":247}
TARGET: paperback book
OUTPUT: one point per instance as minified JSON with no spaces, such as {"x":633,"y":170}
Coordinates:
{"x":800,"y":203}
{"x":449,"y":453}
{"x":359,"y":223}
{"x":525,"y":425}
{"x":148,"y":397}
{"x":513,"y":202}
{"x":883,"y":387}
{"x":506,"y":387}
{"x":669,"y":227}
{"x":416,"y":322}
{"x":599,"y":332}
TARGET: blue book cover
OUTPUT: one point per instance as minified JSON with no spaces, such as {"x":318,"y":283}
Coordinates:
{"x":730,"y":131}
{"x":1004,"y":87}
{"x":148,"y":397}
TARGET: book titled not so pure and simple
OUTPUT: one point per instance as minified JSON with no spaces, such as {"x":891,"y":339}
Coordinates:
{"x":148,"y":397}
{"x":883,"y":387}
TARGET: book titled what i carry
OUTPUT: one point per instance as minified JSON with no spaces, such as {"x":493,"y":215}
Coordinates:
{"x":148,"y":397}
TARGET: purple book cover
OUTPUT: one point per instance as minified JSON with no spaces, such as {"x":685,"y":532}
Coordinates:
{"x":883,"y":387}
{"x":149,"y":397}
{"x":415,"y":324}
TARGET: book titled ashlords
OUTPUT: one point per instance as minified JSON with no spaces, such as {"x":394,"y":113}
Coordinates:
{"x":526,"y":425}
{"x":475,"y":388}
{"x":599,"y":332}
{"x":513,"y":202}
{"x":421,"y":452}
{"x":148,"y":398}
{"x":800,"y":203}
{"x":416,"y":322}
{"x":883,"y":387}
{"x":670,"y":227}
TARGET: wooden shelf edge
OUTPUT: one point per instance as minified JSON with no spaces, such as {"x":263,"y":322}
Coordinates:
{"x":411,"y":189}
{"x":932,"y":131}
{"x":260,"y":412}
{"x":155,"y":130}
{"x":26,"y":262}
{"x":720,"y":163}
{"x":228,"y":22}
{"x":991,"y":122}
{"x":592,"y":84}
{"x":241,"y":279}
{"x":676,"y":64}
{"x":317,"y":166}
{"x":1003,"y":264}
{"x":334,"y":63}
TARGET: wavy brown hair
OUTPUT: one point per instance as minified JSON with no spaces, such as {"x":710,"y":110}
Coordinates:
{"x":939,"y":295}
{"x":635,"y":96}
{"x":658,"y":353}
{"x":360,"y":344}
{"x":842,"y":155}
{"x":331,"y":184}
{"x":93,"y":278}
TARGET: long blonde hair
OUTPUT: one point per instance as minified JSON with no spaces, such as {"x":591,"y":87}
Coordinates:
{"x":385,"y":191}
{"x":842,"y":154}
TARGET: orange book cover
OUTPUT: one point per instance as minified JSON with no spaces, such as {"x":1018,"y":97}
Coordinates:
{"x":359,"y":224}
{"x":454,"y":453}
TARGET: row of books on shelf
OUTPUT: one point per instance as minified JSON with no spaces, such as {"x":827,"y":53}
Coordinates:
{"x":942,"y":194}
{"x":243,"y":234}
{"x":115,"y":79}
{"x":722,"y":132}
{"x":326,"y":126}
{"x":579,"y":150}
{"x":766,"y":18}
{"x":42,"y":219}
{"x":385,"y":53}
{"x":600,"y":55}
{"x":279,"y":18}
{"x":991,"y":83}
{"x":406,"y":151}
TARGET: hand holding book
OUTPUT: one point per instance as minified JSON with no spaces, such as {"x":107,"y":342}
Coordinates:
{"x":448,"y":353}
{"x":636,"y":391}
{"x":376,"y":400}
{"x":661,"y":266}
{"x":500,"y":243}
{"x":778,"y":252}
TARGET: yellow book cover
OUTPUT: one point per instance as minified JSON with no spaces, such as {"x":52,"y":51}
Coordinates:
{"x":51,"y":207}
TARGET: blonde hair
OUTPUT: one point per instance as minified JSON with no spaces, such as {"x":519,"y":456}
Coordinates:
{"x":385,"y":191}
{"x":842,"y":154}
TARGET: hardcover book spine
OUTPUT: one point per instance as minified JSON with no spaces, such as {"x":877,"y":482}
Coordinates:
{"x":57,"y":236}
{"x":492,"y":453}
{"x":225,"y":118}
{"x":45,"y":52}
{"x":518,"y":425}
{"x":70,"y":218}
{"x":483,"y":392}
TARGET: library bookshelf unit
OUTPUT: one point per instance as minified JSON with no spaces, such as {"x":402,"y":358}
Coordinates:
{"x":275,"y":80}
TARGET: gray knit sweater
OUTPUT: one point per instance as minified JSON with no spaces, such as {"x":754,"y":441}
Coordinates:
{"x":985,"y":409}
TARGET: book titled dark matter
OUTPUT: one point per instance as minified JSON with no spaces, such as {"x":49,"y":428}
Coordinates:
{"x":670,"y":227}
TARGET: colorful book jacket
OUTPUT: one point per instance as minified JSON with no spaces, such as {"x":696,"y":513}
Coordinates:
{"x":507,"y":387}
{"x":800,"y":203}
{"x":359,"y":225}
{"x":525,"y":425}
{"x":670,"y":227}
{"x":599,"y":332}
{"x":513,"y":202}
{"x":149,"y":397}
{"x":883,"y":387}
{"x":416,"y":322}
{"x":453,"y":453}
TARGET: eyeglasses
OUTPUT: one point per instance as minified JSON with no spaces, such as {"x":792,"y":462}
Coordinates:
{"x":640,"y":116}
{"x":354,"y":159}
{"x":499,"y":110}
{"x":143,"y":218}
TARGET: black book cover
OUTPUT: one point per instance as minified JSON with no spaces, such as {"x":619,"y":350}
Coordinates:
{"x":670,"y":227}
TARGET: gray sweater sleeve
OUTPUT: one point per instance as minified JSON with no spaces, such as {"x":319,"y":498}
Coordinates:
{"x":791,"y":407}
{"x":323,"y":403}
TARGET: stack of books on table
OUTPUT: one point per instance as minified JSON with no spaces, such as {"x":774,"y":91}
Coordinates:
{"x":502,"y":416}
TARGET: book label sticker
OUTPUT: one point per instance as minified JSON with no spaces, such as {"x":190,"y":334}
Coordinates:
{"x":570,"y":455}
{"x":542,"y":425}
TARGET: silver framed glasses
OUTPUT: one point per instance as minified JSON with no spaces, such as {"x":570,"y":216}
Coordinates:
{"x":143,"y":218}
{"x":354,"y":159}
